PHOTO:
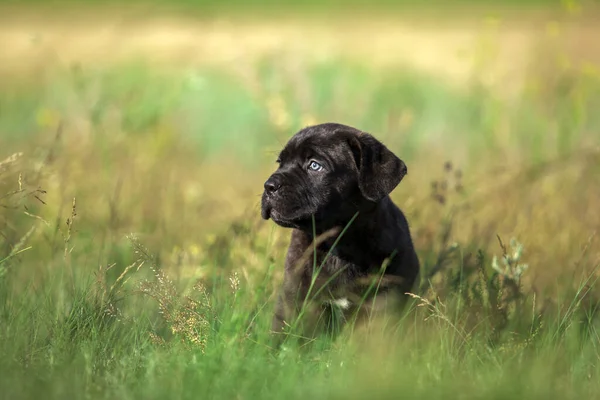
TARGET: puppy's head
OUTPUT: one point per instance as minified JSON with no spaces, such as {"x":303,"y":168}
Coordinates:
{"x":329,"y":171}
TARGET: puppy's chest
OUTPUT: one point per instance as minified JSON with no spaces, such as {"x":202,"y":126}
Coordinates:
{"x":335,"y":273}
{"x":334,"y":265}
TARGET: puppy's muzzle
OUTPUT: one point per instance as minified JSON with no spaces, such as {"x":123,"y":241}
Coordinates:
{"x":272,"y":184}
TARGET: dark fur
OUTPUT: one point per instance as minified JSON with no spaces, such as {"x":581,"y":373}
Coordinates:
{"x":358,"y":174}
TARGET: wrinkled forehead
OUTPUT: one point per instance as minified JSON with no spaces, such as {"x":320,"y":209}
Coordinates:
{"x":316,"y":143}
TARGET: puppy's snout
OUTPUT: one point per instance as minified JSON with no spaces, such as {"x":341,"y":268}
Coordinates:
{"x":272,"y":184}
{"x":403,"y":169}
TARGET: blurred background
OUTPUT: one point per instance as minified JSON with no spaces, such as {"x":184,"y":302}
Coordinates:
{"x":162,"y":119}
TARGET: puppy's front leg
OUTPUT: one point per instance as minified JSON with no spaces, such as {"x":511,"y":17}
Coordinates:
{"x":283,"y":314}
{"x":291,"y":310}
{"x":286,"y":307}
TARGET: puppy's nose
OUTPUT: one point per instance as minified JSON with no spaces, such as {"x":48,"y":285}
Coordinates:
{"x":272,"y":185}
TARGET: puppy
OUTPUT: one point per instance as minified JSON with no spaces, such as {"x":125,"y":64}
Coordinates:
{"x":351,"y":249}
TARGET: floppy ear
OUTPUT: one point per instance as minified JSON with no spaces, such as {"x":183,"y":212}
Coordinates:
{"x":379,"y":170}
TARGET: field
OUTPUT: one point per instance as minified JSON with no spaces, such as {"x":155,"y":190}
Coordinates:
{"x":133,"y":148}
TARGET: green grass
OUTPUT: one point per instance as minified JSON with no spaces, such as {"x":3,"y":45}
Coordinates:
{"x":307,"y":5}
{"x":441,"y":11}
{"x":65,"y":340}
{"x":179,"y":158}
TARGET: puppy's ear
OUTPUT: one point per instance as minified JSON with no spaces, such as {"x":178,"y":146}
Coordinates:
{"x":379,"y":170}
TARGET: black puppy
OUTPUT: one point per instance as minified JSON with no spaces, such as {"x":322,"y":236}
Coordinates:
{"x":332,"y":187}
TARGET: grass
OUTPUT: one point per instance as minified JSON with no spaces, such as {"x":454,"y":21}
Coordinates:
{"x":134,"y":263}
{"x":212,"y":6}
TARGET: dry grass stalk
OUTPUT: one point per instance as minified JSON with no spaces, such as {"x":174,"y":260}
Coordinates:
{"x":188,"y":316}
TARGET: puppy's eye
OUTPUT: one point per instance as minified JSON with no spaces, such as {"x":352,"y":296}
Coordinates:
{"x":315,"y":166}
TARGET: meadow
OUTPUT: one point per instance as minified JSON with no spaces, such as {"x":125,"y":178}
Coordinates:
{"x":133,"y":259}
